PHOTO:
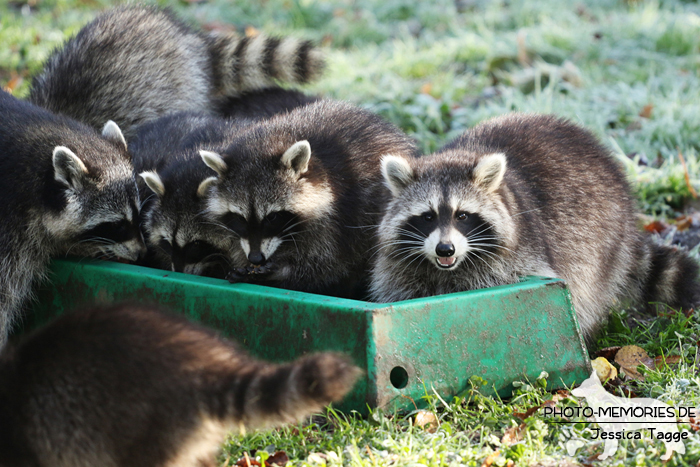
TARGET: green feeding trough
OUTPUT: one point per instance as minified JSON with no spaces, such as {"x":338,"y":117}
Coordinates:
{"x":408,"y":349}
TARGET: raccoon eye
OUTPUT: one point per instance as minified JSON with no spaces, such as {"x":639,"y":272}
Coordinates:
{"x":277,"y":221}
{"x":428,"y":216}
{"x":196,"y":251}
{"x":462,"y":216}
{"x":236,"y":222}
{"x":165,"y":246}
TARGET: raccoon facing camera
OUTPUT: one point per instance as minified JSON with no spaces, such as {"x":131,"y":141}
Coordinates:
{"x":523,"y":195}
{"x":300,"y":194}
{"x":173,"y":180}
{"x":67,"y":190}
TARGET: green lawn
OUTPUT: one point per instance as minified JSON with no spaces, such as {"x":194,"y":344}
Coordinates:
{"x":629,"y":71}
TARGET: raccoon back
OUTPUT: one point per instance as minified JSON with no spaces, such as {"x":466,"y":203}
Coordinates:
{"x":134,"y":64}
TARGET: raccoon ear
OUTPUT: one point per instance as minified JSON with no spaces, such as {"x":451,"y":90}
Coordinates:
{"x":297,"y":157}
{"x":397,"y":172}
{"x":214,"y":161}
{"x":490,"y":170}
{"x":154,"y":182}
{"x":68,"y":168}
{"x":112,"y":132}
{"x":205,"y":185}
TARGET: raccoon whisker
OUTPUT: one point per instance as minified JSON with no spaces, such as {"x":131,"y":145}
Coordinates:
{"x":302,"y":221}
{"x":222,"y":226}
{"x":419,"y":257}
{"x":98,"y":240}
{"x":467,"y":257}
{"x":397,"y":242}
{"x":412,"y":232}
{"x":491,"y":245}
{"x":143,"y":203}
{"x":290,"y":235}
{"x":292,"y":226}
{"x":485,"y":226}
{"x":413,"y":235}
{"x":486,"y":252}
{"x":401,"y":251}
{"x":485,"y":262}
{"x":377,"y":248}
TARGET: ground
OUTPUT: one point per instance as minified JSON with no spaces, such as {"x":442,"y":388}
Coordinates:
{"x":627,"y":70}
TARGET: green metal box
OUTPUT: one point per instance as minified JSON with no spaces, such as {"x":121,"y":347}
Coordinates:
{"x":406,"y":348}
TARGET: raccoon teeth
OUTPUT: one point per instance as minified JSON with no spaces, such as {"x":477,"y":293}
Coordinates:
{"x":446,"y":262}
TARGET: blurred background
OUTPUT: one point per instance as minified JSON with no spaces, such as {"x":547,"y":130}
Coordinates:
{"x":628,"y":70}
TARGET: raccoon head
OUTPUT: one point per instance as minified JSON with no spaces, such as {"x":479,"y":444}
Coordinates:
{"x":445,"y":210}
{"x":267,"y":200}
{"x":175,"y":229}
{"x":99,"y":202}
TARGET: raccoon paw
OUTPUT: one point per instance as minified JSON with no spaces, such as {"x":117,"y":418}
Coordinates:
{"x":263,"y":270}
{"x":237,"y":275}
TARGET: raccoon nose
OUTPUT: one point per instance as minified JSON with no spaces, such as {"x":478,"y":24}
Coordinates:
{"x":445,"y":249}
{"x":256,"y":257}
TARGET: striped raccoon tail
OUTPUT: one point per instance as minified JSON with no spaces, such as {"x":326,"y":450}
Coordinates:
{"x":671,"y":277}
{"x":243,"y":64}
{"x":264,"y":395}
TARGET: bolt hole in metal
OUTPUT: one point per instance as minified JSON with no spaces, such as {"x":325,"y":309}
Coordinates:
{"x":398,"y":377}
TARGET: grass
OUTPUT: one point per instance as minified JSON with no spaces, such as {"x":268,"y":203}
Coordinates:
{"x":627,"y":70}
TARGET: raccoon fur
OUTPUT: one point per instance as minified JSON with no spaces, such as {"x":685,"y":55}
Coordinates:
{"x":130,"y":386}
{"x":520,"y":195}
{"x":264,"y":103}
{"x":66,"y":189}
{"x":174,"y":180}
{"x":134,"y":64}
{"x":300,"y":194}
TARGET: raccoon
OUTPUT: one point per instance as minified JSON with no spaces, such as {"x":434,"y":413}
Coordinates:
{"x":300,"y":195}
{"x":66,"y":190}
{"x":130,"y":386}
{"x":520,"y":195}
{"x":173,"y":182}
{"x":134,"y":64}
{"x":167,"y":158}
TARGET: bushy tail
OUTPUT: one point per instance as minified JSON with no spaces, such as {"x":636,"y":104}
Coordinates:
{"x":243,"y":64}
{"x":671,"y":277}
{"x":269,"y":394}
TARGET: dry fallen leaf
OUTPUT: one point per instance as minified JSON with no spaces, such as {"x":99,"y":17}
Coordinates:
{"x":604,"y":369}
{"x":13,"y":83}
{"x":513,"y":435}
{"x":426,"y":88}
{"x":660,"y":361}
{"x":630,"y":357}
{"x":647,"y":111}
{"x":683,"y":223}
{"x":687,"y":176}
{"x":656,"y":227}
{"x":528,"y":412}
{"x":250,"y":31}
{"x":279,"y":458}
{"x":490,"y":459}
{"x":246,"y":461}
{"x":426,"y":420}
